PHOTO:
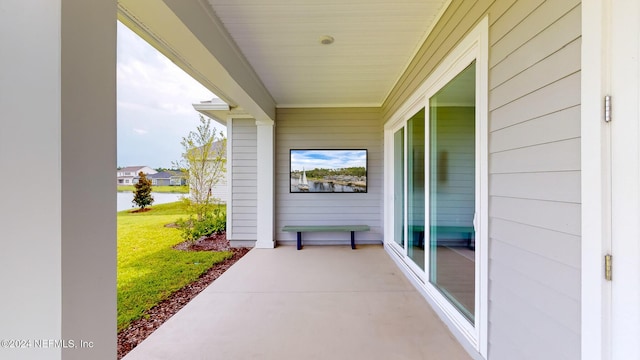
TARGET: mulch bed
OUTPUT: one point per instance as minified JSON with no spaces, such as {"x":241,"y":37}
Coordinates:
{"x":140,"y":329}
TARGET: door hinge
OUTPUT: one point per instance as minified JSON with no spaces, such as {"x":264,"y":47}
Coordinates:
{"x":607,"y":108}
{"x":607,"y":267}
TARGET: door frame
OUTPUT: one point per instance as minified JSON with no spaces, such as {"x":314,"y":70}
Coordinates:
{"x":609,"y":55}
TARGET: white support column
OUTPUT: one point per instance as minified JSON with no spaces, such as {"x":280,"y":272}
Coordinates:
{"x":59,"y":229}
{"x":30,"y":215}
{"x":265,"y":221}
{"x":88,"y":159}
{"x":229,"y":177}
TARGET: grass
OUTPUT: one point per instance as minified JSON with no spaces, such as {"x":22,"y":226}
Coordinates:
{"x":149,"y":270}
{"x":158,"y":188}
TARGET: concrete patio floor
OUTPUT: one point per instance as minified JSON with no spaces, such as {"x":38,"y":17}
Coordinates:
{"x":323,"y":302}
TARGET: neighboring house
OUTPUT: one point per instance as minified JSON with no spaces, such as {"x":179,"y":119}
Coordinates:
{"x":129,"y":175}
{"x":168,"y":178}
{"x":220,"y":190}
{"x":177,"y":178}
{"x":160,"y":178}
{"x":512,"y":123}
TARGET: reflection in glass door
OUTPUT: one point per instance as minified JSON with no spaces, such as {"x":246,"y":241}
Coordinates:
{"x":452,"y":191}
{"x":398,"y":187}
{"x":415,"y":188}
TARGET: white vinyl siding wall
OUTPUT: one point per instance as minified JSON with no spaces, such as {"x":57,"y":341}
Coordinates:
{"x":219,"y":191}
{"x":534,"y":167}
{"x":535,"y":183}
{"x":329,"y":128}
{"x":244,"y":174}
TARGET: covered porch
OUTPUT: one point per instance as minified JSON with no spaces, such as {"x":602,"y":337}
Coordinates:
{"x":556,"y":175}
{"x":324,"y":302}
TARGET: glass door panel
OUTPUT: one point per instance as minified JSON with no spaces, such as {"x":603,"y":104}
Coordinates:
{"x":398,"y":187}
{"x":416,"y":188}
{"x":452,"y":191}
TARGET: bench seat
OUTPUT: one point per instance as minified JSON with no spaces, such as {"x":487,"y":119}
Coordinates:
{"x":325,"y":228}
{"x":467,"y":231}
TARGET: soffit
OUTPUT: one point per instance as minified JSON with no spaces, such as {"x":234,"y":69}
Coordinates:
{"x":374,"y":42}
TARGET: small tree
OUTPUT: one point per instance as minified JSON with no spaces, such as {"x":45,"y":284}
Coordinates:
{"x":142,"y":193}
{"x":204,"y":165}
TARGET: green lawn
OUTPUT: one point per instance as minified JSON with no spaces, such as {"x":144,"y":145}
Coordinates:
{"x":158,"y":188}
{"x":149,"y":270}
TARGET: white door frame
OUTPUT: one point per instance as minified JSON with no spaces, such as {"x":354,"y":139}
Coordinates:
{"x":610,"y":179}
{"x":625,"y":179}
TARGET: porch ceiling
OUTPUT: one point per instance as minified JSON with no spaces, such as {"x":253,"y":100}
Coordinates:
{"x":374,"y":42}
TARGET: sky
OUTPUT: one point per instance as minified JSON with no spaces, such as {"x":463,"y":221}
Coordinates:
{"x":154,"y":104}
{"x":327,"y":159}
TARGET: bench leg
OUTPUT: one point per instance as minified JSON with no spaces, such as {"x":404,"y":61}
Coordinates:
{"x":299,"y":240}
{"x":353,"y":240}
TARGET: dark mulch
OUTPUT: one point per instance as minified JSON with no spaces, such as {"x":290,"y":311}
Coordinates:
{"x":140,"y":329}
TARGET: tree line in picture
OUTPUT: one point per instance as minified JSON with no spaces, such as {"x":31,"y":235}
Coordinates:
{"x":360,"y":171}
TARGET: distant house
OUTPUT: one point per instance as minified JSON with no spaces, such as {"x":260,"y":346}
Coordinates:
{"x":219,"y":191}
{"x":169,"y":178}
{"x":129,"y":174}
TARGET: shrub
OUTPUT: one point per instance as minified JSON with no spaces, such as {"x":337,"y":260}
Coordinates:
{"x":214,"y":222}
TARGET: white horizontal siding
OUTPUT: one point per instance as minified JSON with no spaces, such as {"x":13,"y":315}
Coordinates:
{"x":565,"y":125}
{"x":551,"y":244}
{"x":551,"y":186}
{"x":557,"y":96}
{"x":341,"y":128}
{"x":555,"y":156}
{"x":550,"y":33}
{"x":535,"y":222}
{"x":219,"y":191}
{"x":244,"y":173}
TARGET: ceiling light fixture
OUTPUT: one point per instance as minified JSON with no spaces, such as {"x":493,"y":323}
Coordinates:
{"x":326,"y":40}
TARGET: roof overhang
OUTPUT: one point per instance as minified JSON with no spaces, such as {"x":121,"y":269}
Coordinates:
{"x":187,"y":33}
{"x":216,"y":109}
{"x":257,"y":56}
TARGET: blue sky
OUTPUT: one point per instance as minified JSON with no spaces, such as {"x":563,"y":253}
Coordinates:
{"x":327,"y":159}
{"x":154,"y":104}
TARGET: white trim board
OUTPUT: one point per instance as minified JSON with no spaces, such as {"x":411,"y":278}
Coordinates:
{"x":595,"y":198}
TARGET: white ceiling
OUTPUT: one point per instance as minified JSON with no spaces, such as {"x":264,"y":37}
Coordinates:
{"x":374,"y":43}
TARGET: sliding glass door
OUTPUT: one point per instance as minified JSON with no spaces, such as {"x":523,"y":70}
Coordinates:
{"x":436,"y":220}
{"x":398,"y":186}
{"x":434,"y":183}
{"x":452,"y":191}
{"x":416,"y":188}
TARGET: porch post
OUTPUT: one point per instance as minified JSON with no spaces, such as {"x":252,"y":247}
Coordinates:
{"x":265,"y":207}
{"x":88,"y":159}
{"x":229,"y":175}
{"x":59,"y":224}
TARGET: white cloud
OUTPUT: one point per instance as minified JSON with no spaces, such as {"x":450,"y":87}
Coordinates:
{"x":327,"y":159}
{"x":155,"y":98}
{"x":140,"y":131}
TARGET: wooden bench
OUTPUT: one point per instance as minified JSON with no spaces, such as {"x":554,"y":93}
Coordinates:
{"x":326,"y":228}
{"x":467,"y":231}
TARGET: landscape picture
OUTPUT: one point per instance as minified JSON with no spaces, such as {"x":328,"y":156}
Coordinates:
{"x":328,"y":171}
